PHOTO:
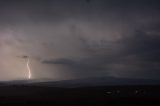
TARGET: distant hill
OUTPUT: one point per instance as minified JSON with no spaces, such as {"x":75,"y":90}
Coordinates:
{"x":96,"y":81}
{"x":100,"y":81}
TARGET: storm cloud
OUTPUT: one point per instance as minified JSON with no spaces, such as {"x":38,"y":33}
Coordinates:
{"x":138,"y":55}
{"x":80,"y":38}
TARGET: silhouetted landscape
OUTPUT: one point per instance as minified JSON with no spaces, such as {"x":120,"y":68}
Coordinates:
{"x":42,"y":93}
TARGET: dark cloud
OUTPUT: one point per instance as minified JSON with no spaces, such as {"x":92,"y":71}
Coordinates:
{"x":138,"y":55}
{"x":59,"y":61}
{"x":79,"y":69}
{"x":142,"y":44}
{"x":82,"y":37}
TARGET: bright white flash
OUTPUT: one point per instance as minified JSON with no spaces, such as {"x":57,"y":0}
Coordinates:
{"x":29,"y":70}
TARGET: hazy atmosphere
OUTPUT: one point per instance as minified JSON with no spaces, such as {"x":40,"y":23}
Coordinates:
{"x":74,"y":39}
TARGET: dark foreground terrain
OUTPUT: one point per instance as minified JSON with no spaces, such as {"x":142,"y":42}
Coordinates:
{"x":81,"y":96}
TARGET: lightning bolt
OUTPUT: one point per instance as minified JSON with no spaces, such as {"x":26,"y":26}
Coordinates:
{"x":29,"y":70}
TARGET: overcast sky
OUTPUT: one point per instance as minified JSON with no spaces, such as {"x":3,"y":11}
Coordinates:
{"x":68,"y":39}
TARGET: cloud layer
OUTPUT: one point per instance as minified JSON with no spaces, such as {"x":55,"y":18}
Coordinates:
{"x":79,"y":39}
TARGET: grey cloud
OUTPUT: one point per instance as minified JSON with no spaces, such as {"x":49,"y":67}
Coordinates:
{"x":143,"y":45}
{"x":83,"y":37}
{"x":138,"y":55}
{"x":59,"y":61}
{"x":79,"y":69}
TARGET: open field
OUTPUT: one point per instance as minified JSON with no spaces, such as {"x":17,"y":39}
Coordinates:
{"x":81,"y":96}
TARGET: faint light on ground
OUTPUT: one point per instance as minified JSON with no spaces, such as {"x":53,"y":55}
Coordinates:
{"x":109,"y":92}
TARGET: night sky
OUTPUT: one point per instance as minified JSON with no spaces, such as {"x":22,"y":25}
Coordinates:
{"x":72,"y":39}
